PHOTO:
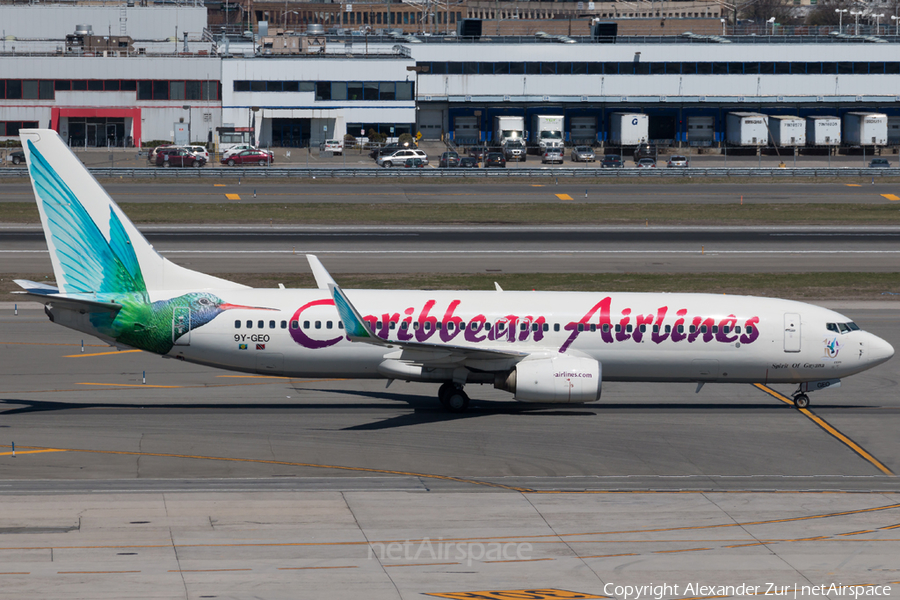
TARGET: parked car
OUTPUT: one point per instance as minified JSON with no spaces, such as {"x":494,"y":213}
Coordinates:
{"x":552,"y":155}
{"x":646,"y":163}
{"x":477,"y":152}
{"x":495,"y":159}
{"x":414,"y":163}
{"x":178,"y":157}
{"x":200,"y":151}
{"x":234,"y":150}
{"x":16,"y":157}
{"x":151,"y":157}
{"x":249,"y":157}
{"x":333,"y":146}
{"x":644,"y":151}
{"x":676,"y":161}
{"x":880,"y":163}
{"x":390,"y":149}
{"x":449,"y":159}
{"x":515,"y":149}
{"x":400,"y":156}
{"x":467,"y":162}
{"x":611,"y":161}
{"x":583,"y":154}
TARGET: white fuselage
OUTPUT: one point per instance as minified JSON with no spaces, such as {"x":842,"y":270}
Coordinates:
{"x":660,"y":337}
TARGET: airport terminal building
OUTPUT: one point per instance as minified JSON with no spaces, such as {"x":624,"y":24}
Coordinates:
{"x":100,"y":90}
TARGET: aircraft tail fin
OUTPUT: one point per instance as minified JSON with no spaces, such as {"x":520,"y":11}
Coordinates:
{"x":94,"y":247}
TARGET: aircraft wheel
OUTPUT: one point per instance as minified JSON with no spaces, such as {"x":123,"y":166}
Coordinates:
{"x":457,"y":401}
{"x":444,"y":392}
{"x":801,"y":401}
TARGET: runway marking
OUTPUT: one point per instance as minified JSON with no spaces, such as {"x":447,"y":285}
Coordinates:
{"x":858,"y":532}
{"x":563,"y":196}
{"x":747,"y":545}
{"x":205,"y":570}
{"x":307,"y":568}
{"x":891,"y":197}
{"x":137,"y":385}
{"x":263,"y":377}
{"x":853,"y":184}
{"x":830,"y":429}
{"x":219,"y":185}
{"x":520,"y":560}
{"x":91,"y":572}
{"x":18,"y":452}
{"x":233,"y":196}
{"x":610,"y":555}
{"x":101,"y":353}
{"x":891,"y":526}
{"x":684,"y":550}
{"x":421,"y":564}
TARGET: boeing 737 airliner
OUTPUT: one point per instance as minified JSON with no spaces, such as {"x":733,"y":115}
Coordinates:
{"x":541,"y":346}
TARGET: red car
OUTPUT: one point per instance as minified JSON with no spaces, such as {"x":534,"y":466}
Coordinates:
{"x":178,"y":157}
{"x":249,"y":157}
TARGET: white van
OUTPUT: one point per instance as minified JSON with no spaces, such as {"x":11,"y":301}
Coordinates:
{"x":399,"y":157}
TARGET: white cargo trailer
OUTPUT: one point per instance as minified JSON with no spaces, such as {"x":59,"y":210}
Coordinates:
{"x":546,"y":131}
{"x":583,"y":130}
{"x":466,"y":130}
{"x":865,"y":129}
{"x":787,"y":131}
{"x":823,"y":131}
{"x":747,"y":129}
{"x":628,"y":129}
{"x":508,"y":128}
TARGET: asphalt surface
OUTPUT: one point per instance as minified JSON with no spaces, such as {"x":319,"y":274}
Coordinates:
{"x":476,"y":192}
{"x":260,"y":249}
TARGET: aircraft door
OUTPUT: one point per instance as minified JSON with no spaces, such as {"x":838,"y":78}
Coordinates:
{"x":791,"y":332}
{"x":181,"y":326}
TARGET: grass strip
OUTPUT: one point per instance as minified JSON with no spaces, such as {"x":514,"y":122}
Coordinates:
{"x":797,"y":286}
{"x":491,"y":214}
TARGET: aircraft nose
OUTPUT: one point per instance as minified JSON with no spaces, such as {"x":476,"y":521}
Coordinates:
{"x":879,"y":350}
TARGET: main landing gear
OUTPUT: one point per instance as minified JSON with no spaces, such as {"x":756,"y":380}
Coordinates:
{"x":453,"y":398}
{"x":801,"y":400}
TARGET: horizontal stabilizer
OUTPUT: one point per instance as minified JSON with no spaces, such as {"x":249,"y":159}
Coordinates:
{"x":49,"y":294}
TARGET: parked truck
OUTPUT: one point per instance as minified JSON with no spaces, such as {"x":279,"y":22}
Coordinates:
{"x":747,"y":129}
{"x":823,"y":131}
{"x":865,"y":129}
{"x":546,"y":132}
{"x":628,"y":129}
{"x":787,"y":131}
{"x":508,"y":128}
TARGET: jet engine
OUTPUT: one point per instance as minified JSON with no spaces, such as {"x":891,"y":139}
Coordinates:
{"x":562,"y":379}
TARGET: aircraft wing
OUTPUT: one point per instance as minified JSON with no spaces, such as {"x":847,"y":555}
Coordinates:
{"x":418,"y":352}
{"x":49,"y":294}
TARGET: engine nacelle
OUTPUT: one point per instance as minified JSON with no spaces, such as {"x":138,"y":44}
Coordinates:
{"x":560,"y":379}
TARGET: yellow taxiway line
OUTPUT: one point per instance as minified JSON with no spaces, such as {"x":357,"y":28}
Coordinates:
{"x":100,"y":353}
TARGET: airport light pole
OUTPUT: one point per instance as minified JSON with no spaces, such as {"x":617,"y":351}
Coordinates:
{"x":856,"y":14}
{"x":840,"y":12}
{"x":877,"y":20}
{"x":772,"y":21}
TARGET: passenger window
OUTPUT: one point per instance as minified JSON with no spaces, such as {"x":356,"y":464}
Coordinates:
{"x":681,"y":329}
{"x":749,"y":329}
{"x":487,"y":326}
{"x":593,"y":327}
{"x":392,"y":325}
{"x":318,"y":324}
{"x":737,"y":328}
{"x":438,"y":325}
{"x":340,"y":324}
{"x":237,"y":324}
{"x":284,"y":324}
{"x":715,"y":329}
{"x":462,"y":325}
{"x":556,"y":327}
{"x":305,"y":324}
{"x":726,"y":329}
{"x":261,"y":324}
{"x":271,"y":324}
{"x":534,"y":327}
{"x":450,"y":326}
{"x":524,"y":326}
{"x":415,"y":325}
{"x":618,"y":328}
{"x":546,"y":326}
{"x":328,"y":324}
{"x":668,"y":329}
{"x":643,"y":328}
{"x":702,"y":329}
{"x":404,"y":325}
{"x":606,"y":328}
{"x":295,"y":324}
{"x":693,"y":329}
{"x":427,"y":326}
{"x":249,"y":324}
{"x":656,"y":329}
{"x":628,"y":328}
{"x":500,"y":326}
{"x":378,"y":324}
{"x":581,"y":327}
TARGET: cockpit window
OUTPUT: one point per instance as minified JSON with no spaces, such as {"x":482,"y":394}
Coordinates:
{"x":853,"y":326}
{"x":831,"y":327}
{"x":842,"y":327}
